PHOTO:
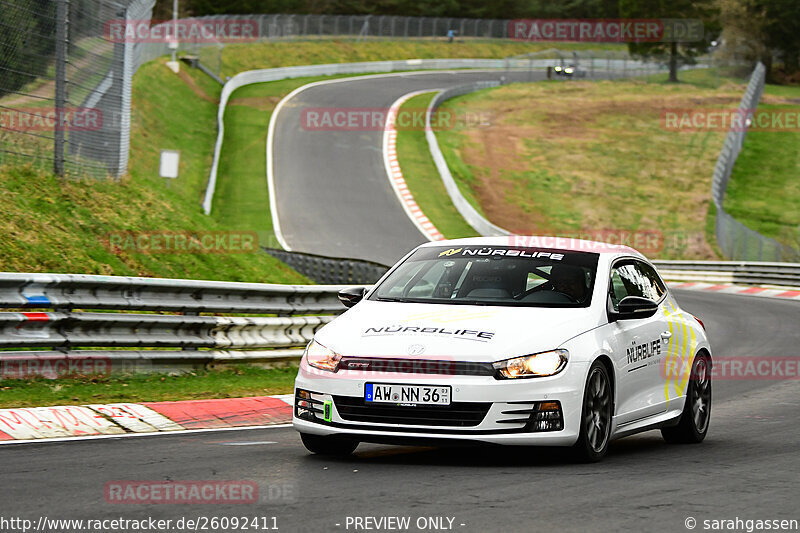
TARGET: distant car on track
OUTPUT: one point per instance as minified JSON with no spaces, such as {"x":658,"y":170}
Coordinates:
{"x":507,"y":340}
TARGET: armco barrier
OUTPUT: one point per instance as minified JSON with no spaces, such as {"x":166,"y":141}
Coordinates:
{"x":182,"y":342}
{"x":331,"y":270}
{"x":79,"y":291}
{"x":67,"y":327}
{"x":737,"y":272}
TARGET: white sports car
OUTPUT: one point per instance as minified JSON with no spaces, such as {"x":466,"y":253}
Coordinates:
{"x":507,"y":340}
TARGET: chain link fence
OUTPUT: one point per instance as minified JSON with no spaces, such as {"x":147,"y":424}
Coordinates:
{"x":737,"y":241}
{"x":65,"y":84}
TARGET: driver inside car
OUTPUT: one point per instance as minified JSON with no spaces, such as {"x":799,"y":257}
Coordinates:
{"x":568,"y":280}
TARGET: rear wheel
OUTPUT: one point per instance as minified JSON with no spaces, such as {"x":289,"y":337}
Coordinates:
{"x":328,"y":445}
{"x":693,"y":424}
{"x":596,"y":416}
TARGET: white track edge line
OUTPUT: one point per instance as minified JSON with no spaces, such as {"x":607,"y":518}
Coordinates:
{"x":273,"y":203}
{"x":388,"y":129}
{"x":150,"y":434}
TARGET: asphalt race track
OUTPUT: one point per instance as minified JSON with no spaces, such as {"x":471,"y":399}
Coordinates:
{"x":331,"y":188}
{"x":334,"y":199}
{"x":746,"y":468}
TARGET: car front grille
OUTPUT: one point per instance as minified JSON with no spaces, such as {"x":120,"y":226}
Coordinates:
{"x":457,"y":414}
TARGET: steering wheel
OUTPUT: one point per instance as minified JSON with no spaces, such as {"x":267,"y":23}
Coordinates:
{"x":545,"y":286}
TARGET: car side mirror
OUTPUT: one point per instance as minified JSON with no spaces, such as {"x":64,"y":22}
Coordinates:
{"x":352,"y":295}
{"x":633,"y":307}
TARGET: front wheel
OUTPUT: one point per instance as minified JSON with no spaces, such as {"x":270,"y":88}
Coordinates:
{"x":693,"y":424}
{"x":328,"y":445}
{"x":598,"y":408}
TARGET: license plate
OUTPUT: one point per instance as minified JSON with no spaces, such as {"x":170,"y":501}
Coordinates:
{"x":406,"y":394}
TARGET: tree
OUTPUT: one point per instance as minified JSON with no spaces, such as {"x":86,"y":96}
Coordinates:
{"x":674,"y":53}
{"x":781,"y":29}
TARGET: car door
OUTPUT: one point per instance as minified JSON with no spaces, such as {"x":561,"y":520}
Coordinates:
{"x":639,"y":345}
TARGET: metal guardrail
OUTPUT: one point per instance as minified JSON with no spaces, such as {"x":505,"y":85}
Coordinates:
{"x":78,"y":291}
{"x":331,"y":270}
{"x":188,"y":341}
{"x":67,"y":330}
{"x":737,"y":272}
{"x":66,"y":327}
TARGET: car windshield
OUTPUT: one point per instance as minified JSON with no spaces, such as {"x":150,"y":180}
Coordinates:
{"x":497,"y":275}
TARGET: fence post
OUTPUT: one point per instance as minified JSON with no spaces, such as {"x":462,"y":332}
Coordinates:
{"x":62,"y":22}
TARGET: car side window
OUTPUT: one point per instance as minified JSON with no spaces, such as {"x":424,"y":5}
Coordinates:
{"x":624,"y":282}
{"x":634,"y":279}
{"x":654,"y":286}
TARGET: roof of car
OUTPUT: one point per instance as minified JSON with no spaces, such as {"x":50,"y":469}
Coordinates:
{"x":543,"y":241}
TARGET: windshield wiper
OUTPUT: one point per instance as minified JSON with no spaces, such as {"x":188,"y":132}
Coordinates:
{"x":391,"y":299}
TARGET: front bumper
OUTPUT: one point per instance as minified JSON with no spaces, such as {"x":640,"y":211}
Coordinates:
{"x":483,"y":409}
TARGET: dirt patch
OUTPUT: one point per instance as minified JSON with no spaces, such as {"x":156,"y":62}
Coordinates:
{"x":566,"y":163}
{"x":196,"y":89}
{"x":263,"y":103}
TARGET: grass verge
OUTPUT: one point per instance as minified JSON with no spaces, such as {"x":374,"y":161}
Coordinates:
{"x":764,"y":189}
{"x":236,"y":382}
{"x":423,"y":179}
{"x":240,"y":57}
{"x":581,"y":158}
{"x":65,"y":225}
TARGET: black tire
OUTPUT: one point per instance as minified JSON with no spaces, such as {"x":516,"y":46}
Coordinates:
{"x":696,"y":417}
{"x":596,"y":416}
{"x":328,"y":445}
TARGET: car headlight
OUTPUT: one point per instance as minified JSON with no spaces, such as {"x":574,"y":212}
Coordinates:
{"x":534,"y":365}
{"x":569,"y":70}
{"x":321,"y":357}
{"x":557,"y":69}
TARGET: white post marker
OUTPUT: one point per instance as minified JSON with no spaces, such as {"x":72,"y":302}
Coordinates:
{"x":168,"y":167}
{"x":173,"y":65}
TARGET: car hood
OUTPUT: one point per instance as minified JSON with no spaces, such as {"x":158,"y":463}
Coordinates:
{"x":451,"y":332}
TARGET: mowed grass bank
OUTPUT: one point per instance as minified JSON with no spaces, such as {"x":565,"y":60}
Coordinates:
{"x":240,"y":57}
{"x":242,"y":197}
{"x":764,"y":189}
{"x":236,"y":382}
{"x":582,"y":157}
{"x":66,"y":225}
